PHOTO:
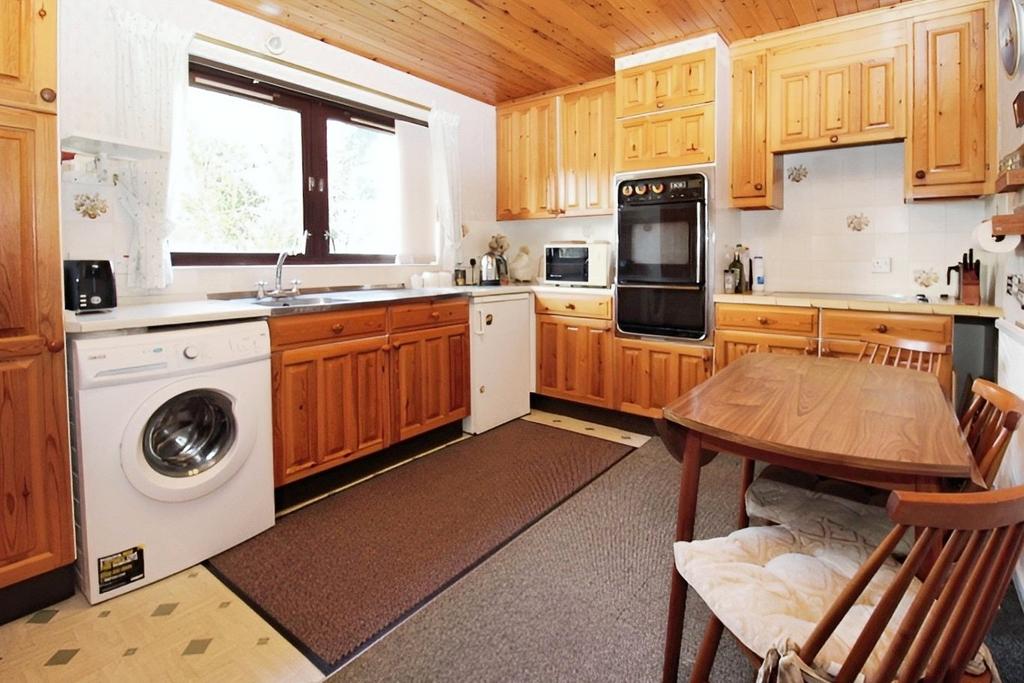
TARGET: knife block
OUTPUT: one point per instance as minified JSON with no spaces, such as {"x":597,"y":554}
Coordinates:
{"x":970,"y":290}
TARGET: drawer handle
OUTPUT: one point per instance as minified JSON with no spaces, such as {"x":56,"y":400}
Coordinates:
{"x":435,"y":315}
{"x":660,"y":105}
{"x":834,"y":138}
{"x":55,"y":345}
{"x":759,"y":187}
{"x":48,"y":94}
{"x":881,"y":329}
{"x":920,"y":175}
{"x":571,"y":307}
{"x":763,"y":320}
{"x":337,"y":328}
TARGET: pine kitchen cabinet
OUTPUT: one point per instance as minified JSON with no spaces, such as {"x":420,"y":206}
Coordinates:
{"x":36,"y":527}
{"x":528,"y":160}
{"x":674,"y":138}
{"x":667,"y":84}
{"x":351,"y":382}
{"x":430,"y":370}
{"x":28,"y":54}
{"x":574,"y":348}
{"x":555,"y":153}
{"x":651,"y":374}
{"x":948,"y":151}
{"x":917,"y":73}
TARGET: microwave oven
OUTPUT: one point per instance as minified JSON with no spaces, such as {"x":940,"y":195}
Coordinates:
{"x":577,"y":263}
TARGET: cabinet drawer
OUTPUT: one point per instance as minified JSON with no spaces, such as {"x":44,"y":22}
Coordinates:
{"x":767,"y":318}
{"x":577,"y":305}
{"x":318,"y":327}
{"x":856,"y":324}
{"x":429,"y":314}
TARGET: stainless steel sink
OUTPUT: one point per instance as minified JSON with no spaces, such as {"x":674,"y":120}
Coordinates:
{"x":302,"y":301}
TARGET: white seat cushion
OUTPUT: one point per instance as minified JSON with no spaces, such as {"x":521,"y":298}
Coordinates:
{"x":772,"y":584}
{"x":807,"y":503}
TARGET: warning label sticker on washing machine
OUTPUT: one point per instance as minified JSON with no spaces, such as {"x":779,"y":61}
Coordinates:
{"x":121,"y":568}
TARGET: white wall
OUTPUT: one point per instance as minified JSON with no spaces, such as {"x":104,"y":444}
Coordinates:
{"x":808,"y":247}
{"x":86,"y":58}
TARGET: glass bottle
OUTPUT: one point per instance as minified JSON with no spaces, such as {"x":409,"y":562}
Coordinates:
{"x":737,"y":268}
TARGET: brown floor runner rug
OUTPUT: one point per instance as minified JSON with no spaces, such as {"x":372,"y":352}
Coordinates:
{"x":335,"y":575}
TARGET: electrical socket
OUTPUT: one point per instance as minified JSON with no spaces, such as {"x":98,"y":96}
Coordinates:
{"x":881,"y":264}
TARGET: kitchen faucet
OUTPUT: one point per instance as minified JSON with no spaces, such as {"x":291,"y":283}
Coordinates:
{"x":279,"y":292}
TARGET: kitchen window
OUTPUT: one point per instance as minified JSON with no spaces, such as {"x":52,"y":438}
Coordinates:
{"x":265,"y":163}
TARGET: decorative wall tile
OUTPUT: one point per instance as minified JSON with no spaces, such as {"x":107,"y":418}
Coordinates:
{"x":796,"y":173}
{"x":926,"y":277}
{"x":858,"y":222}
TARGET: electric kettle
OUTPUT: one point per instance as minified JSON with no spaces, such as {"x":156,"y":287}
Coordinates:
{"x":493,"y":269}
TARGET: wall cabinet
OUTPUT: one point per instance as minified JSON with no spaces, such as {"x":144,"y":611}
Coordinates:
{"x":587,"y":137}
{"x":916,"y":73}
{"x":555,"y":154}
{"x":678,"y":138}
{"x":651,"y":374}
{"x":28,"y":54}
{"x":664,"y":85}
{"x":951,"y":120}
{"x":350,"y":383}
{"x":756,"y":174}
{"x":527,"y":160}
{"x":430,"y":371}
{"x":36,"y":527}
{"x":847,"y":101}
{"x":574,"y":359}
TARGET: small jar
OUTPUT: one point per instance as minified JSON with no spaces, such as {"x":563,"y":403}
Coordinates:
{"x":460,"y":277}
{"x":729,"y":281}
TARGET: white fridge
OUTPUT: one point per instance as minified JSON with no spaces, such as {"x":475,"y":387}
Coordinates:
{"x":500,"y":360}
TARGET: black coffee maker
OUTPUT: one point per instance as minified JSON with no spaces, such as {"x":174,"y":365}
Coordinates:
{"x":89,"y":286}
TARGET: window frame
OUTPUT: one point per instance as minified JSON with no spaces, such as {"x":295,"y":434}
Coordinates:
{"x":314,"y":112}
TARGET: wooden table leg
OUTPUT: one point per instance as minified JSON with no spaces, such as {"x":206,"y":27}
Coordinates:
{"x":688,"y":484}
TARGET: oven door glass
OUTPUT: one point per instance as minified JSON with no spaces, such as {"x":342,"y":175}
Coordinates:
{"x":661,"y":243}
{"x":567,"y":264}
{"x":662,"y":311}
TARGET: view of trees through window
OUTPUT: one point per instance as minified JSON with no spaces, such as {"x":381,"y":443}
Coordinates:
{"x":243,"y":179}
{"x":264,"y":164}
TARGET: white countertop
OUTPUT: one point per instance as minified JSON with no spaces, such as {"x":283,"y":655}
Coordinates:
{"x":860,"y":302}
{"x":480,"y":290}
{"x":157,"y":314}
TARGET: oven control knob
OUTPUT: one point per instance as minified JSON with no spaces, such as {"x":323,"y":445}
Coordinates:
{"x":190,"y":352}
{"x":627,"y":190}
{"x":657,"y":188}
{"x":641,"y":188}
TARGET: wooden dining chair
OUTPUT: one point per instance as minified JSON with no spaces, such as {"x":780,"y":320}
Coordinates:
{"x":914,"y":354}
{"x":791,"y":602}
{"x":988,"y":425}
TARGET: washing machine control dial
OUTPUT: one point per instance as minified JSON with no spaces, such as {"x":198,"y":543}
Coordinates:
{"x":190,"y":352}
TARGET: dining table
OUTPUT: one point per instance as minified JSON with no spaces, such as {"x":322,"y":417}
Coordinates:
{"x":873,"y":424}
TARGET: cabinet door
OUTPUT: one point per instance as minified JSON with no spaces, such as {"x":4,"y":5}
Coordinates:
{"x":296,"y":402}
{"x":677,"y":138}
{"x":793,"y":108}
{"x":574,"y":359}
{"x":28,"y":54}
{"x":650,"y":375}
{"x":588,"y":136}
{"x":430,"y":378}
{"x":527,"y":156}
{"x":664,"y":85}
{"x":882,"y":95}
{"x":950,"y":120}
{"x":36,"y":528}
{"x":731,"y":344}
{"x":835,"y":102}
{"x":755,"y":170}
{"x":354,"y":398}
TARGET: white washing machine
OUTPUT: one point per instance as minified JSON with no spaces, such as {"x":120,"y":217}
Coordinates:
{"x":172,"y":446}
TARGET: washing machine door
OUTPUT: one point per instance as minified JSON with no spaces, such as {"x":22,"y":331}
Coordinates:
{"x":187,"y":439}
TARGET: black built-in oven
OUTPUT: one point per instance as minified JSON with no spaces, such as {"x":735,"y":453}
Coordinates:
{"x":661,"y":282}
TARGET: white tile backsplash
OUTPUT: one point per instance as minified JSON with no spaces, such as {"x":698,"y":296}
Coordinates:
{"x":808,"y":247}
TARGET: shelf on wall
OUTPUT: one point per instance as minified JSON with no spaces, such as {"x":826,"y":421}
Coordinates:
{"x":112,"y":147}
{"x":1008,"y":224}
{"x":1010,"y":181}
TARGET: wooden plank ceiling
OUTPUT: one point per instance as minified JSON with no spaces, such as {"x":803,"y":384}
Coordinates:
{"x":497,"y":50}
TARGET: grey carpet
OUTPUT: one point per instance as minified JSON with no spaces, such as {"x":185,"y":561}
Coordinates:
{"x":582,"y":595}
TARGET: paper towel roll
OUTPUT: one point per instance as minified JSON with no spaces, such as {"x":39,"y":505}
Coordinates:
{"x":996,"y":245}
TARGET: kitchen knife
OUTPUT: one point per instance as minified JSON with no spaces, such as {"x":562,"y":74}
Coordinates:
{"x":970,"y":257}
